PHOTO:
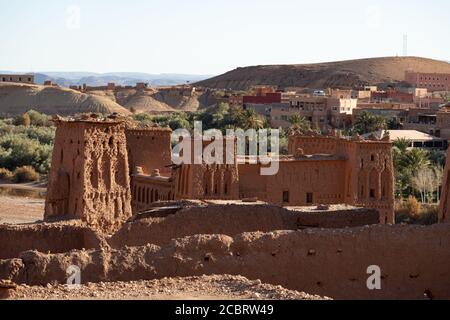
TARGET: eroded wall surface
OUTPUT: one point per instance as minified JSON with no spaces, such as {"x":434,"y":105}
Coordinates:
{"x":54,"y":238}
{"x":413,"y":260}
{"x":90,"y":178}
{"x":234,"y":219}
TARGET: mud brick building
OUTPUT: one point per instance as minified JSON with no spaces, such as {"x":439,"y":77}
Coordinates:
{"x":102,"y":171}
{"x":20,"y":78}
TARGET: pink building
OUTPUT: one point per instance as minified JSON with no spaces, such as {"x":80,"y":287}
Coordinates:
{"x":431,"y":81}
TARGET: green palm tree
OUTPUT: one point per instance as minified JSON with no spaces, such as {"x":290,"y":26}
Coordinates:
{"x":249,"y":119}
{"x":407,"y":163}
{"x":298,"y":124}
{"x":402,"y":144}
{"x":414,"y":160}
{"x":367,"y":122}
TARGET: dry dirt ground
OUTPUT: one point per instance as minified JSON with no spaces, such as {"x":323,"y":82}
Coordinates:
{"x":17,"y":210}
{"x":21,"y":203}
{"x":221,"y":287}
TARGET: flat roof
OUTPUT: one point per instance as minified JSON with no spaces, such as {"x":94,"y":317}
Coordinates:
{"x":290,"y":158}
{"x":412,"y":135}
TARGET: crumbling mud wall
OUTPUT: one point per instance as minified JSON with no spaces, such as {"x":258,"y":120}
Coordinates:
{"x":343,"y":218}
{"x":53,"y":238}
{"x":234,"y":219}
{"x":413,"y":260}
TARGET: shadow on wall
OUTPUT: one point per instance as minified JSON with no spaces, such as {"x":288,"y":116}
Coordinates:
{"x":234,"y":219}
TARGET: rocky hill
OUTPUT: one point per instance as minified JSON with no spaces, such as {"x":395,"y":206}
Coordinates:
{"x":321,"y":75}
{"x":19,"y":98}
{"x":158,"y":99}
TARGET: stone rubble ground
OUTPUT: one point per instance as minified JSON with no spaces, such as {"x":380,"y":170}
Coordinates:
{"x":217,"y":287}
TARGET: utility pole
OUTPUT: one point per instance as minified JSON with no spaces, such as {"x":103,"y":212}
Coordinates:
{"x":405,"y":45}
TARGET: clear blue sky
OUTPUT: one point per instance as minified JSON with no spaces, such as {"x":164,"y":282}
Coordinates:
{"x":212,"y":36}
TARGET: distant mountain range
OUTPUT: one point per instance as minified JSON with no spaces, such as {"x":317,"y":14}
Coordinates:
{"x":67,"y":79}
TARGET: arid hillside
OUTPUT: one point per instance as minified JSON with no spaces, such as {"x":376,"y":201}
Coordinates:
{"x":19,"y":98}
{"x":158,"y":99}
{"x":332,"y":74}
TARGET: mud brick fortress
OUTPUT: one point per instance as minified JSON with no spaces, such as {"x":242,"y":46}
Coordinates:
{"x":142,"y":220}
{"x":320,"y":170}
{"x":103,"y":171}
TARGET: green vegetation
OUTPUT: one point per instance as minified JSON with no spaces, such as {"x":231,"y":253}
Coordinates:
{"x":418,"y":175}
{"x":367,"y":122}
{"x":220,"y":117}
{"x":299,"y":124}
{"x":417,"y":172}
{"x":26,"y":140}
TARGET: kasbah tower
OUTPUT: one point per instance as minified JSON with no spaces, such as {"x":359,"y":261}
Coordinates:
{"x":90,"y":177}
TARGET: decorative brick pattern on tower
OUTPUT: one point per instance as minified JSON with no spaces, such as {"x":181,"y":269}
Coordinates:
{"x":208,"y":181}
{"x":90,"y":179}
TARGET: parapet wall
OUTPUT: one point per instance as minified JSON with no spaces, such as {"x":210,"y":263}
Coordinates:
{"x":150,"y":149}
{"x":54,"y":238}
{"x":234,"y":219}
{"x":413,"y":260}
